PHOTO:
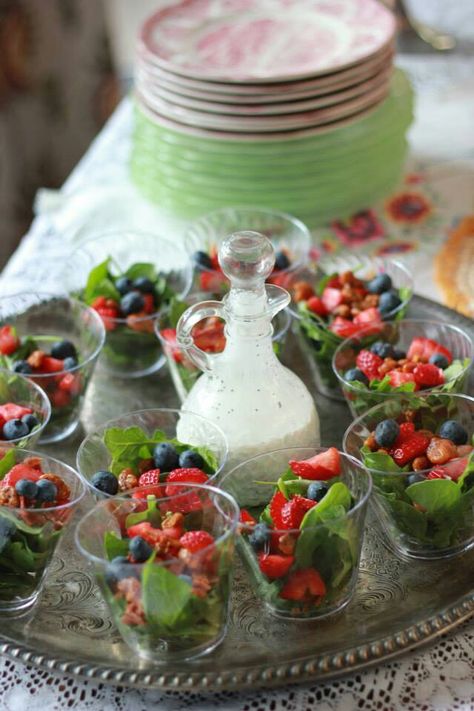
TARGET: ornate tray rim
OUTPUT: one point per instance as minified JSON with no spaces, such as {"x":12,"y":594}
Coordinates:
{"x":321,"y":667}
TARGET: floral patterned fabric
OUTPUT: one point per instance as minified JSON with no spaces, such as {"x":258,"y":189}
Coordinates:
{"x":57,"y":88}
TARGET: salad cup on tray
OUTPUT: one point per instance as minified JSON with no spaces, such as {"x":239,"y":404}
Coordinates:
{"x":24,"y":410}
{"x":419,"y":452}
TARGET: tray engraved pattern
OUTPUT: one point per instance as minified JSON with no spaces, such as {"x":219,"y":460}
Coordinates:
{"x":398,"y":604}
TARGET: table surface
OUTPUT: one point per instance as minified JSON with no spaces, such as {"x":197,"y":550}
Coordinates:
{"x":98,"y":196}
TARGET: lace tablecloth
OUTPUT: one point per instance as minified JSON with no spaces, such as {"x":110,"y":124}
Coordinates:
{"x":98,"y":196}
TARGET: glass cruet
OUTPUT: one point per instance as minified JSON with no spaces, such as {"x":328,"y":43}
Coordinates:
{"x":260,"y":404}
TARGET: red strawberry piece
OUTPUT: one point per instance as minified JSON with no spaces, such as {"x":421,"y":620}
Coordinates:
{"x":99,"y":302}
{"x":371,"y":315}
{"x":317,"y":306}
{"x":406,"y":431}
{"x":51,"y":365}
{"x":2,"y":422}
{"x":213,"y":281}
{"x":146,"y":531}
{"x":343,"y":328}
{"x":195,"y":541}
{"x":275,"y":566}
{"x":424,"y":348}
{"x":9,"y":341}
{"x":187,"y":502}
{"x":246,"y":518}
{"x":406,"y":451}
{"x":438,"y":473}
{"x":21,"y":471}
{"x":108,"y":310}
{"x":149,"y":478}
{"x":276,"y":504}
{"x":60,"y":398}
{"x":397,"y":377}
{"x":454,"y":468}
{"x":293,"y":511}
{"x":428,"y":375}
{"x":321,"y":467}
{"x":211,"y":338}
{"x":304,"y":584}
{"x":169,"y":335}
{"x":10,"y":411}
{"x":70,"y":382}
{"x":149,"y":306}
{"x":331,"y":298}
{"x":334,"y":282}
{"x":369,"y":363}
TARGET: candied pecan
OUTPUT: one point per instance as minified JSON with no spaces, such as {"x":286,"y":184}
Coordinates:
{"x":346,"y":278}
{"x":441,"y":450}
{"x":145,"y":465}
{"x":342,"y":310}
{"x":9,"y":497}
{"x":408,"y":367}
{"x":127,"y":479}
{"x":426,"y":433}
{"x":420,"y":463}
{"x":387,"y":365}
{"x":356,"y":309}
{"x":201,"y":585}
{"x":36,"y":359}
{"x":173,"y":520}
{"x":63,"y":489}
{"x":402,"y":361}
{"x":370,"y":442}
{"x":370,"y":301}
{"x":130,"y":588}
{"x":33,"y":462}
{"x":302,"y":291}
{"x":286,"y":544}
{"x":410,"y":415}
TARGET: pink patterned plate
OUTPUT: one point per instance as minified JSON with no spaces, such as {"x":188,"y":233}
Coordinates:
{"x":265,"y":40}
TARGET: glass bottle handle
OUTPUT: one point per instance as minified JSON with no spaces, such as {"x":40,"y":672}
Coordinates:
{"x":191,"y":317}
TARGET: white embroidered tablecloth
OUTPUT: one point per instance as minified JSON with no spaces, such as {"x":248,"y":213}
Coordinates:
{"x":98,"y":196}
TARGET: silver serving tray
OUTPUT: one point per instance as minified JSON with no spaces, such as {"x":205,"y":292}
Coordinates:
{"x":398,"y":605}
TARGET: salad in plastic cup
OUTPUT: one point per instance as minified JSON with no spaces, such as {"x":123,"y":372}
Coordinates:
{"x":163,"y":560}
{"x":343,"y":296}
{"x":403,"y":357}
{"x":24,"y":410}
{"x":419,"y":452}
{"x":143,"y":448}
{"x":54,"y":341}
{"x":208,"y":335}
{"x":289,"y":236}
{"x":127,"y":278}
{"x":38,"y":496}
{"x":302,"y":526}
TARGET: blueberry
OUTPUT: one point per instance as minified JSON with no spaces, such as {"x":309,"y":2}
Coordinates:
{"x":316,"y":490}
{"x":105,"y":481}
{"x":15,"y":429}
{"x":384,"y":350}
{"x":356,"y":374}
{"x":165,"y":457}
{"x":259,"y":536}
{"x":454,"y":431}
{"x":186,"y":578}
{"x":190,"y":458}
{"x":7,"y":531}
{"x":25,"y":487}
{"x":139,"y":549}
{"x":398,"y":354}
{"x":144,"y":285}
{"x":389,"y":301}
{"x":386,"y":433}
{"x":379,"y":284}
{"x":47,"y":491}
{"x":439,"y":360}
{"x":415,"y":478}
{"x":22,"y":366}
{"x":31,"y":421}
{"x":281,"y":261}
{"x":202,"y":260}
{"x":123,"y":285}
{"x":63,"y":349}
{"x":132,"y":303}
{"x":69,"y":363}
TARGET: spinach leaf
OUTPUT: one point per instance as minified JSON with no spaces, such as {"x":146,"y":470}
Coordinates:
{"x":114,"y":546}
{"x":7,"y":462}
{"x":453,"y":372}
{"x":166,"y":597}
{"x":142,"y":269}
{"x":408,"y":519}
{"x":96,"y":279}
{"x":287,"y":476}
{"x":463,"y":482}
{"x":380,"y":461}
{"x":435,"y":495}
{"x":338,"y":495}
{"x":177,"y":309}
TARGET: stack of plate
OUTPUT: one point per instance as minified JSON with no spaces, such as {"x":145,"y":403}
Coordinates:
{"x":290,"y":105}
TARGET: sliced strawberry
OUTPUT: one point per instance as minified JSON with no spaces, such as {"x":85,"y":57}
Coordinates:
{"x":10,"y":411}
{"x":187,"y":502}
{"x":321,"y":467}
{"x":344,"y":328}
{"x":428,"y":375}
{"x":9,"y":341}
{"x":397,"y":377}
{"x":146,"y":531}
{"x":21,"y":471}
{"x":293,"y":511}
{"x":369,"y":363}
{"x":149,"y":478}
{"x":149,"y":306}
{"x":334,"y":282}
{"x":317,"y":306}
{"x":60,"y":398}
{"x":51,"y":365}
{"x":276,"y":504}
{"x":406,"y":431}
{"x":169,"y":335}
{"x":438,"y":473}
{"x":331,"y":298}
{"x":424,"y":348}
{"x":246,"y":518}
{"x":211,"y":338}
{"x":99,"y":302}
{"x":406,"y":451}
{"x":454,"y":468}
{"x":71,"y":382}
{"x":195,"y":541}
{"x":305,"y":584}
{"x":275,"y":566}
{"x":371,"y":315}
{"x":213,"y":281}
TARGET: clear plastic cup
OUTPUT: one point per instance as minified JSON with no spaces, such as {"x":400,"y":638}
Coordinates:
{"x":48,"y":318}
{"x":131,"y":348}
{"x":93,"y":455}
{"x":17,"y":389}
{"x":327,"y":551}
{"x":317,"y":340}
{"x":183,"y":372}
{"x":423,"y":516}
{"x":174,"y":605}
{"x":360,"y":398}
{"x":29,"y":536}
{"x":286,"y":233}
